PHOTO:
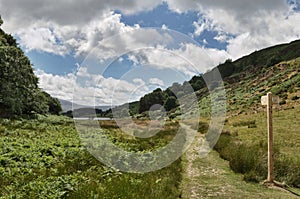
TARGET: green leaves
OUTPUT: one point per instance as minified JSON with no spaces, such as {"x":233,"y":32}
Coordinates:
{"x":19,"y":92}
{"x":1,"y":21}
{"x":171,"y":103}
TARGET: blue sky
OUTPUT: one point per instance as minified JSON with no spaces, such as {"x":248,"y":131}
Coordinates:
{"x":159,"y":16}
{"x":131,"y":47}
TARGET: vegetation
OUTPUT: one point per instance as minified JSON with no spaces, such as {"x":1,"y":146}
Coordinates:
{"x":146,"y":102}
{"x":246,"y":148}
{"x":171,"y":103}
{"x":211,"y":177}
{"x":44,"y":158}
{"x":20,"y":94}
{"x":245,"y":79}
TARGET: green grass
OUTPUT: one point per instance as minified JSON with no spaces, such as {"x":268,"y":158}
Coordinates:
{"x":285,"y":124}
{"x":44,"y":158}
{"x":211,"y":177}
{"x":246,"y":150}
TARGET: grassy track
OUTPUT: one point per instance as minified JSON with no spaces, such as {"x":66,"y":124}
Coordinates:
{"x":211,"y":177}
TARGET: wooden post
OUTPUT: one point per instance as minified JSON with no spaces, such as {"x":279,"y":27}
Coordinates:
{"x":269,"y":100}
{"x":270,"y":140}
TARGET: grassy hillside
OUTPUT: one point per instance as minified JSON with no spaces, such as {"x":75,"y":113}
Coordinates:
{"x":274,"y":69}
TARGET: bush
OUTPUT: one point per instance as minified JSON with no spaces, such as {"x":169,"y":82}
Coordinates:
{"x":288,"y":170}
{"x":283,"y":96}
{"x":170,"y":103}
{"x":282,"y":102}
{"x":250,"y":124}
{"x":203,"y":127}
{"x":295,"y":97}
{"x":275,"y":59}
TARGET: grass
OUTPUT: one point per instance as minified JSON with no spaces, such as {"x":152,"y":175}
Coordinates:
{"x":285,"y":126}
{"x":247,"y":150}
{"x":44,"y":158}
{"x":211,"y":177}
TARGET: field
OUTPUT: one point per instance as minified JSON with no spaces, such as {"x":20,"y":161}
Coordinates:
{"x":44,"y":158}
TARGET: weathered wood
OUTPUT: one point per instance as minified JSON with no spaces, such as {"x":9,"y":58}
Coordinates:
{"x":270,"y":139}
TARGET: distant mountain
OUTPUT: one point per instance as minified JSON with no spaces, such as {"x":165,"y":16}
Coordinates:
{"x":68,"y":106}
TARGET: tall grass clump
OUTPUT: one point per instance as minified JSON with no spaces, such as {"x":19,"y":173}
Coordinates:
{"x":251,"y":160}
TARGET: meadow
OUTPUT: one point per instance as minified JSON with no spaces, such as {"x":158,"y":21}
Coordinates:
{"x":44,"y":158}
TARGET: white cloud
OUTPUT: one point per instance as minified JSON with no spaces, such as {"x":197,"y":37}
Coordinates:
{"x":41,"y":39}
{"x":221,"y":37}
{"x":57,"y":86}
{"x":20,"y":14}
{"x":157,"y":82}
{"x":164,"y":27}
{"x":245,"y":25}
{"x":138,"y":81}
{"x":94,"y":90}
{"x":201,"y":25}
{"x":255,"y":25}
{"x":82,"y":72}
{"x":73,"y":26}
{"x":57,"y":39}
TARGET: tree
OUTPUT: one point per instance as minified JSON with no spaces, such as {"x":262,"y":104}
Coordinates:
{"x":171,"y":103}
{"x":275,"y":59}
{"x":227,"y":68}
{"x":19,"y":91}
{"x":156,"y":97}
{"x":53,"y":104}
{"x":197,"y":82}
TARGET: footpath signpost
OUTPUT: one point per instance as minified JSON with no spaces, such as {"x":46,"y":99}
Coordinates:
{"x":268,"y":101}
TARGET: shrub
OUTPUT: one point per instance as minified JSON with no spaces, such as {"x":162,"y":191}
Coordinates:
{"x":250,"y":123}
{"x":295,"y":97}
{"x":170,"y":103}
{"x":282,"y":102}
{"x":203,"y":127}
{"x":283,"y":96}
{"x":287,"y":170}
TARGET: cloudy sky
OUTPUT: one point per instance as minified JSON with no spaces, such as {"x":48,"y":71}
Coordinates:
{"x":108,"y":52}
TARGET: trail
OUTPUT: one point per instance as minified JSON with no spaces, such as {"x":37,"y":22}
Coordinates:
{"x":211,"y":177}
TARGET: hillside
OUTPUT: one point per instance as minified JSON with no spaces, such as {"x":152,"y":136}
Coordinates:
{"x":48,"y":157}
{"x":68,"y":106}
{"x":243,"y":141}
{"x":274,"y":69}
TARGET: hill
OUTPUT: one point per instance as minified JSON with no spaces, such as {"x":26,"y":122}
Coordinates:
{"x":243,"y":142}
{"x":274,"y":69}
{"x":68,"y":106}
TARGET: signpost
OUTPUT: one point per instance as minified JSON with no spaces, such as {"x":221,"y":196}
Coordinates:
{"x":269,"y":100}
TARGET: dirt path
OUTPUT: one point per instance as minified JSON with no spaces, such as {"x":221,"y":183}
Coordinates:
{"x":211,"y":177}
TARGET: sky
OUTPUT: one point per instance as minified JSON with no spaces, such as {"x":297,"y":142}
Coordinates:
{"x":111,"y":52}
